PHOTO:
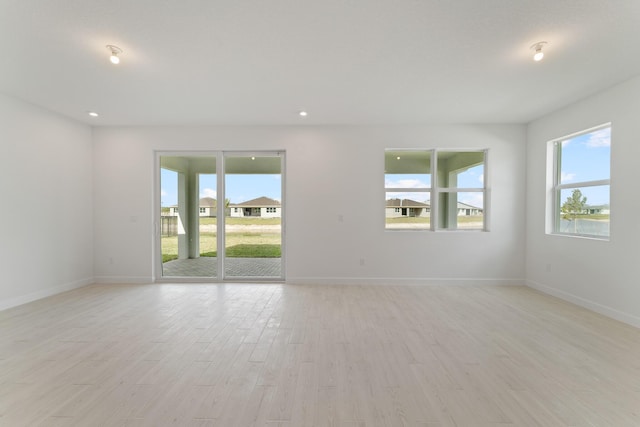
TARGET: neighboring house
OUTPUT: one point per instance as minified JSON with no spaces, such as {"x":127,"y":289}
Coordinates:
{"x":262,"y":207}
{"x":468,"y":210}
{"x":597,"y":210}
{"x":207,"y":208}
{"x":265,"y":207}
{"x":397,"y":208}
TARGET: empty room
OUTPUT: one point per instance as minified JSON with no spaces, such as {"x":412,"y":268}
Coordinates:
{"x":338,"y":213}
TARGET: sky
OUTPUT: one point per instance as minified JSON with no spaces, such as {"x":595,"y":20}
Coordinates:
{"x":240,"y":188}
{"x":471,"y":178}
{"x":587,"y":157}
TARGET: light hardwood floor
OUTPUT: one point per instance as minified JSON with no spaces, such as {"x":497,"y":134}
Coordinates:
{"x":285,"y":355}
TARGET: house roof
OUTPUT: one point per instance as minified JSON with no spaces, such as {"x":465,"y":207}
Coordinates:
{"x":257,"y":203}
{"x":207,"y":202}
{"x":405,"y":203}
{"x":349,"y":62}
{"x":466,"y":206}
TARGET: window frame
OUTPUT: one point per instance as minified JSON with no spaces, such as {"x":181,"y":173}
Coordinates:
{"x":457,"y":190}
{"x":429,"y":190}
{"x":435,"y":190}
{"x":556,"y":186}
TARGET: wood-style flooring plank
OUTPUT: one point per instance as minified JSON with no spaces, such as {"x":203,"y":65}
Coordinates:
{"x":336,"y":356}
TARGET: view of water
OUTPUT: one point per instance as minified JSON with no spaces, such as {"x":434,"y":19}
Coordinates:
{"x":585,"y":226}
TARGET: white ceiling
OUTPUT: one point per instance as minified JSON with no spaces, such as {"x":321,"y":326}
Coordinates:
{"x":258,"y":62}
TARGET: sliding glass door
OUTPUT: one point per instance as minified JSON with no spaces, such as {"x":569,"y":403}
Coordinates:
{"x":188,"y":216}
{"x":220,"y":216}
{"x":253,"y":221}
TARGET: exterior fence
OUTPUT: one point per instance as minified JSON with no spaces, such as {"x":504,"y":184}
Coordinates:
{"x":168,"y":226}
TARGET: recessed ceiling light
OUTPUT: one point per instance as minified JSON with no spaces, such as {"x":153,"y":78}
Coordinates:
{"x":303,"y":114}
{"x":92,"y":113}
{"x":538,"y":54}
{"x":115,"y":51}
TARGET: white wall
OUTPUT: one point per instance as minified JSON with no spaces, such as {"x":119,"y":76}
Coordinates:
{"x":46,"y":203}
{"x":601,"y":275}
{"x":332,"y":173}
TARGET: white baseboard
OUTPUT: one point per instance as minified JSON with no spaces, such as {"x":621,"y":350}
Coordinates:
{"x":593,"y":306}
{"x":394,"y":281}
{"x":33,"y":296}
{"x":134,"y":280}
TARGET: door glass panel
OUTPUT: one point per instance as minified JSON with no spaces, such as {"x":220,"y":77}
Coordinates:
{"x":208,"y":215}
{"x":187,"y":216}
{"x":253,"y":216}
{"x":169,"y":216}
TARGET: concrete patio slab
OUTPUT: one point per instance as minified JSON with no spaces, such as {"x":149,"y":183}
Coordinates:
{"x":234,"y":267}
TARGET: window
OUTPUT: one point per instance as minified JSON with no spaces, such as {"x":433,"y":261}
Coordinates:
{"x":451,"y":199}
{"x":407,"y":182}
{"x":461,"y":190}
{"x":203,"y":210}
{"x":581,"y":170}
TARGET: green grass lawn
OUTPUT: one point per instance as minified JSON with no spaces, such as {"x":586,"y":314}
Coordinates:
{"x":265,"y":244}
{"x":169,"y":257}
{"x":238,"y":245}
{"x":465,"y":219}
{"x":462,"y":219}
{"x":241,"y":221}
{"x":593,"y":217}
{"x":408,"y":220}
{"x":249,"y":251}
